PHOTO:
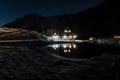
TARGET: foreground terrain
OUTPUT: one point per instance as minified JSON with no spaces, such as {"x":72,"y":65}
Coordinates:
{"x":34,"y":63}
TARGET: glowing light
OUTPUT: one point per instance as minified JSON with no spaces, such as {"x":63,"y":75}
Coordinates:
{"x":55,"y":46}
{"x":69,"y":50}
{"x":65,"y":51}
{"x":57,"y":36}
{"x":70,"y":37}
{"x":74,"y":46}
{"x":54,"y":36}
{"x":69,"y":31}
{"x":64,"y":46}
{"x":69,"y":46}
{"x":65,"y":31}
{"x":65,"y":36}
{"x":74,"y":36}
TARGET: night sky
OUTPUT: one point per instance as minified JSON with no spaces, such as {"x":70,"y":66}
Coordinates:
{"x":13,"y":9}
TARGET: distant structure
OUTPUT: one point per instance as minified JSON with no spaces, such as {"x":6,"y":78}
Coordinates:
{"x":92,"y":38}
{"x":67,"y":30}
{"x":68,"y":34}
{"x":60,"y":34}
{"x":48,"y":31}
{"x":117,"y":36}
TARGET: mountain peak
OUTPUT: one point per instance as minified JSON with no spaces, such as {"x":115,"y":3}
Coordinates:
{"x":101,"y":21}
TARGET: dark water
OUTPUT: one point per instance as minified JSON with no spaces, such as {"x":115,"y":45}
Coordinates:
{"x":63,"y":51}
{"x":80,"y":51}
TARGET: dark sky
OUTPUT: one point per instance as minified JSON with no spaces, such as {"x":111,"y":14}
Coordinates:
{"x":12,"y":9}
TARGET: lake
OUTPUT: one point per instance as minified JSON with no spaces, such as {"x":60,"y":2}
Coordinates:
{"x":67,"y":51}
{"x":80,"y":51}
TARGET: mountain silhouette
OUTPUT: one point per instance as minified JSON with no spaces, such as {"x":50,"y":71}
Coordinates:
{"x":100,"y":21}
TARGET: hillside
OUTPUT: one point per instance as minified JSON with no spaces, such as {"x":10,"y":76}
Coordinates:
{"x":17,"y":34}
{"x":30,"y":21}
{"x":100,"y":21}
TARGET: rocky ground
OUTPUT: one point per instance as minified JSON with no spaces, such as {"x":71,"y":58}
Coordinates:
{"x":18,"y":34}
{"x":33,"y":63}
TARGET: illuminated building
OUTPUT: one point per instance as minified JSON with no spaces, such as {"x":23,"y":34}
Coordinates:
{"x":116,"y":36}
{"x":68,"y":34}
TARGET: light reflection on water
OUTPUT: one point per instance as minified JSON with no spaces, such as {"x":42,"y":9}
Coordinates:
{"x":68,"y":51}
{"x":80,"y":51}
{"x":66,"y":48}
{"x":64,"y":51}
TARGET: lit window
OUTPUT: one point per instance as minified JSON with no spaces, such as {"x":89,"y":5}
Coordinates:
{"x":65,"y":31}
{"x":69,"y":50}
{"x":65,"y":51}
{"x":70,"y":46}
{"x":70,"y":37}
{"x":69,"y":31}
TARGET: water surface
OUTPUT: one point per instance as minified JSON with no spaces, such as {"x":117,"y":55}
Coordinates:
{"x":80,"y":51}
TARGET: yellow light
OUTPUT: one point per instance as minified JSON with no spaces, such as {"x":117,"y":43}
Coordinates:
{"x":70,"y":37}
{"x":69,"y":30}
{"x":69,"y":46}
{"x":65,"y":31}
{"x":65,"y":51}
{"x":69,"y":50}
